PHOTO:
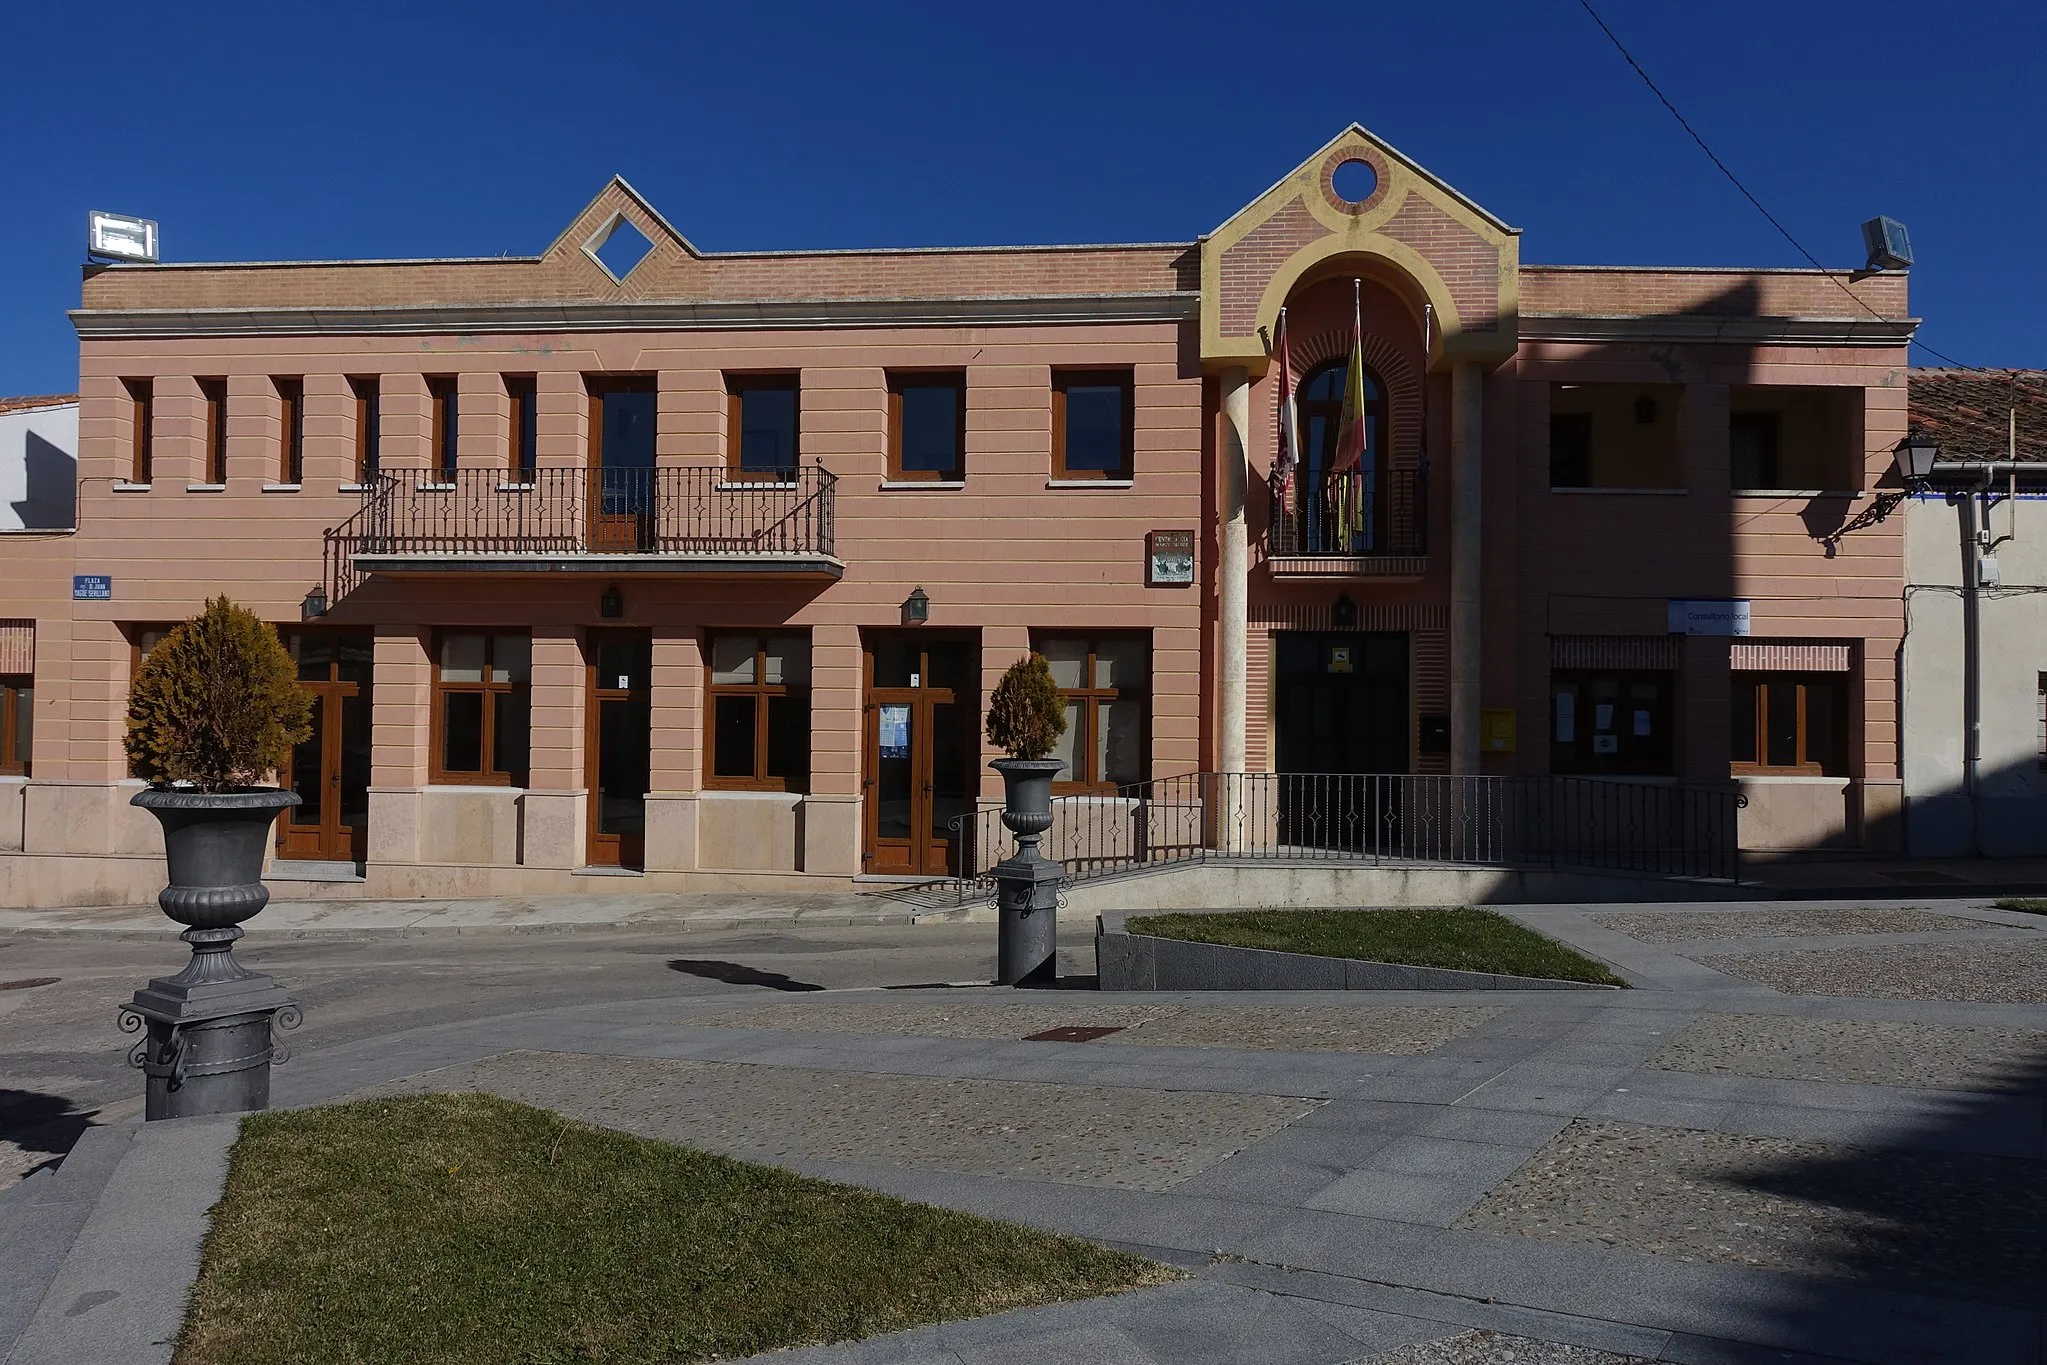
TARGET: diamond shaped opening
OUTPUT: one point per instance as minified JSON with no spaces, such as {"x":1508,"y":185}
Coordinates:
{"x":620,"y":248}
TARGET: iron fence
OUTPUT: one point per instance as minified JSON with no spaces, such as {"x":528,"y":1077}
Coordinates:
{"x":596,"y":511}
{"x":1377,"y":512}
{"x":1657,"y":829}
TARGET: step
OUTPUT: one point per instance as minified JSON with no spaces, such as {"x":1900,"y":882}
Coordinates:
{"x":41,"y":1218}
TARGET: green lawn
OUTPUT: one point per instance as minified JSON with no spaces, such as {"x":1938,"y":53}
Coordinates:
{"x":1462,"y":937}
{"x":468,"y":1230}
{"x":2032,"y":905}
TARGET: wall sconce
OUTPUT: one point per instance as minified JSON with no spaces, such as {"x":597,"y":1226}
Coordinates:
{"x":916,"y":608}
{"x":1344,"y":614}
{"x":611,"y":606}
{"x":1645,"y":411}
{"x":315,"y":604}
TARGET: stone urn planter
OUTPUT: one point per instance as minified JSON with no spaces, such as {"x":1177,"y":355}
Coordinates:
{"x":214,"y":711}
{"x":209,"y":1047}
{"x":1027,"y":882}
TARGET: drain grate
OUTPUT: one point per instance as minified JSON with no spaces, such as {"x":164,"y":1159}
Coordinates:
{"x":29,"y":983}
{"x":1076,"y":1033}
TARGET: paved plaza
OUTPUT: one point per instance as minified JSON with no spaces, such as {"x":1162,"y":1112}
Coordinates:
{"x":1813,"y":1132}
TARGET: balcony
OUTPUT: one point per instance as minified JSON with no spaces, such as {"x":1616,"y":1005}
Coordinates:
{"x":1372,"y":525}
{"x":605,"y":521}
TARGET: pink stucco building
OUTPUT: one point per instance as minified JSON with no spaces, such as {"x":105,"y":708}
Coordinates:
{"x":700,"y":566}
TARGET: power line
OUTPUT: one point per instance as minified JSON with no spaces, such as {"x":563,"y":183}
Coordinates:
{"x":1735,"y":181}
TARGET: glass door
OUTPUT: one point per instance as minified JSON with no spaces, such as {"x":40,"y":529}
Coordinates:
{"x":923,"y":712}
{"x":622,"y":465}
{"x":330,"y":770}
{"x":618,"y":747}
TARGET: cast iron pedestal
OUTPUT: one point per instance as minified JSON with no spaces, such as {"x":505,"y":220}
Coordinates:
{"x":209,"y":1046}
{"x":1027,"y":882}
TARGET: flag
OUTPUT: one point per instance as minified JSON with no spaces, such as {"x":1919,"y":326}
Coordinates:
{"x":1351,"y":484}
{"x":1350,"y":429}
{"x":1288,"y":457}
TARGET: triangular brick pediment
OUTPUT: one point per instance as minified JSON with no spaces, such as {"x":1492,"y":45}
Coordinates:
{"x":668,"y":270}
{"x":1430,"y":242}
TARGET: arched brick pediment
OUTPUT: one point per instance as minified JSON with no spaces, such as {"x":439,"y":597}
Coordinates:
{"x":1444,"y":250}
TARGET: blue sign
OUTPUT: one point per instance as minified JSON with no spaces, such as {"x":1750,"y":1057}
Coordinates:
{"x":92,"y":587}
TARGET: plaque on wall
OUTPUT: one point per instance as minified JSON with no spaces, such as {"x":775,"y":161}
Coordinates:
{"x":1169,"y":559}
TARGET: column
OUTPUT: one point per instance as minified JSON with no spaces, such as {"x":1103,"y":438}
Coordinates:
{"x":1233,"y":599}
{"x":676,"y":760}
{"x":831,"y":809}
{"x":1467,"y":449}
{"x":554,"y":811}
{"x":400,"y":723}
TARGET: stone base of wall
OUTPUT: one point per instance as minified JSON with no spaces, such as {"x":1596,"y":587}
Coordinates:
{"x":1137,"y":962}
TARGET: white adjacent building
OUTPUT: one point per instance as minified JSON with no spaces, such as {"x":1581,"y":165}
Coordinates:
{"x":39,"y":463}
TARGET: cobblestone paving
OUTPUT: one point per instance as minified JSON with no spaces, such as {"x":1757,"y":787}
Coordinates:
{"x":1084,"y":1135}
{"x":1956,"y":1224}
{"x":1400,"y":1030}
{"x":2006,"y":973}
{"x":1870,"y":1052}
{"x":1682,"y":926}
{"x":1491,"y":1348}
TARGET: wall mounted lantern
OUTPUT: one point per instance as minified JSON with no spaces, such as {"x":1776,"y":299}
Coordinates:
{"x":1343,"y":615}
{"x":1645,"y":411}
{"x":1914,"y":457}
{"x":611,"y":605}
{"x":916,"y":608}
{"x":315,"y":604}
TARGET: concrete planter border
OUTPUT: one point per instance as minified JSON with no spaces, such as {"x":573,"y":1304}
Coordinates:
{"x":1139,"y":962}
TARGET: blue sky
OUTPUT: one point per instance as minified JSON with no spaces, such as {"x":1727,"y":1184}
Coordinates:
{"x":292,"y":132}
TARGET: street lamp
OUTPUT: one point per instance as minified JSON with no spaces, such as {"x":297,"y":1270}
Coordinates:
{"x":1914,"y":457}
{"x":916,"y":608}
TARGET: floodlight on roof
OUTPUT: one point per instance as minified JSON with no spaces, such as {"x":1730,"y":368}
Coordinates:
{"x":1888,"y":246}
{"x":116,"y":236}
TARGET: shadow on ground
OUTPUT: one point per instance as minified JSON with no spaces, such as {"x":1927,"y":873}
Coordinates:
{"x":40,"y":1123}
{"x":1954,"y":1207}
{"x":738,"y":974}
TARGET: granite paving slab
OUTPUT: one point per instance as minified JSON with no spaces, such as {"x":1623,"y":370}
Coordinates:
{"x":1961,"y":1226}
{"x":1491,"y":1348}
{"x":1682,"y":926}
{"x":1400,"y":1030}
{"x":2009,"y":972}
{"x":1871,"y":1052}
{"x":939,"y":1019}
{"x":1072,"y":1134}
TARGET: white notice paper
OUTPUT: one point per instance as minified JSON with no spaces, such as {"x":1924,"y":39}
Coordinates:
{"x":1602,"y":715}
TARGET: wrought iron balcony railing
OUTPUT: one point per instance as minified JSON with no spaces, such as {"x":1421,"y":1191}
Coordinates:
{"x":692,"y":512}
{"x":1377,"y":512}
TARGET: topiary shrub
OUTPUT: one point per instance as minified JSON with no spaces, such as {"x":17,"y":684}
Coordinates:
{"x":1026,"y":716}
{"x":217,"y":703}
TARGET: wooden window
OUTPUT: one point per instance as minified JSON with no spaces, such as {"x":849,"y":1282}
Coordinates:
{"x":142,"y":428}
{"x":17,"y":723}
{"x":927,"y":427}
{"x":524,"y":392}
{"x":1612,"y":723}
{"x":141,"y":640}
{"x":1106,"y":682}
{"x":481,"y":711}
{"x":368,"y":426}
{"x":291,"y":399}
{"x":762,"y":429}
{"x":1789,"y":723}
{"x":214,"y":393}
{"x":441,"y":396}
{"x":1091,"y":424}
{"x":757,"y":713}
{"x":1752,"y":450}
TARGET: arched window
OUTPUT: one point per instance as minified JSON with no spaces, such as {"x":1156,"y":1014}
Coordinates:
{"x":1346,"y":515}
{"x":1319,"y":407}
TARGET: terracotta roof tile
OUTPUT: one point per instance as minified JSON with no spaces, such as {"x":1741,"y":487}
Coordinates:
{"x":1969,"y":411}
{"x":36,"y":400}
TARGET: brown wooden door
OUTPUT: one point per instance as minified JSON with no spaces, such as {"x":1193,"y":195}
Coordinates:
{"x":618,"y":746}
{"x":922,"y":716}
{"x":330,"y":771}
{"x":621,"y":492}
